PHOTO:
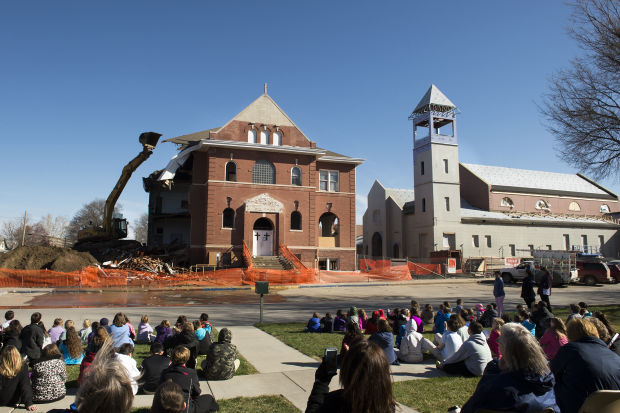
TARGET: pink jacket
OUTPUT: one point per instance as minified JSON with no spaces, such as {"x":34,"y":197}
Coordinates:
{"x":551,"y":343}
{"x":493,"y":344}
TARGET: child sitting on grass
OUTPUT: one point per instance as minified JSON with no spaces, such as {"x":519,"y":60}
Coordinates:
{"x":145,"y":331}
{"x":163,"y":331}
{"x":327,"y":323}
{"x":495,"y":334}
{"x":314,"y":324}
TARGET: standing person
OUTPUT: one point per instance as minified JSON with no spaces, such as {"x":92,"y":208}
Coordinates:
{"x":14,"y":383}
{"x":32,"y":337}
{"x":544,"y":287}
{"x":527,"y":289}
{"x":493,"y":340}
{"x":499,"y":294}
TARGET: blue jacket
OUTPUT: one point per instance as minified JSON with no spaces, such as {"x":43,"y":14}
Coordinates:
{"x":314,"y":325}
{"x":440,"y":318}
{"x":513,"y":391}
{"x":402,"y":332}
{"x":498,"y":287}
{"x":385,"y":340}
{"x":582,"y":367}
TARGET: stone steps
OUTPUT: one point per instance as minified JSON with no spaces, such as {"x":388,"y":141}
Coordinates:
{"x":272,"y":263}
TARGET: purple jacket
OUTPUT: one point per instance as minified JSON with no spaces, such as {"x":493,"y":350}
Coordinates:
{"x":162,"y":333}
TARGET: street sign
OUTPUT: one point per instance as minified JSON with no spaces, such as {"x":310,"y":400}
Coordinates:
{"x":451,"y":265}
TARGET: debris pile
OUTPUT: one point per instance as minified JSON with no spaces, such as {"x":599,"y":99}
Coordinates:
{"x":146,"y":264}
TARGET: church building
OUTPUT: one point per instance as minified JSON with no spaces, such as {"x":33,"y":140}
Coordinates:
{"x":257,"y":180}
{"x":484,"y":211}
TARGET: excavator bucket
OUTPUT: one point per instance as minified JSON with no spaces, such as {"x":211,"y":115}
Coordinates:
{"x":149,"y":138}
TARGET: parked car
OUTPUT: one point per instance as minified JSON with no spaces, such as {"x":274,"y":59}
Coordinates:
{"x":592,"y":272}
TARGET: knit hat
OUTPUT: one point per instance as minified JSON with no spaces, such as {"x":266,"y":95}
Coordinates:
{"x":104,"y":321}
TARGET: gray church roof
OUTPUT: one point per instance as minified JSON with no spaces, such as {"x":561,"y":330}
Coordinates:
{"x":536,"y":181}
{"x":435,"y":100}
{"x":400,"y":196}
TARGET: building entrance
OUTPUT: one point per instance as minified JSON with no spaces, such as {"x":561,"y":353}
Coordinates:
{"x":262,"y":238}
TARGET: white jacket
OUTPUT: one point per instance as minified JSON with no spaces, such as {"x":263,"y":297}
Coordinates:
{"x":411,"y":344}
{"x":131,"y":368}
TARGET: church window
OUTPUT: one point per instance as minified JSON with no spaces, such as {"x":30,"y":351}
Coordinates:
{"x":228,"y":218}
{"x":422,"y":168}
{"x":296,"y":176}
{"x":507,"y":202}
{"x":542,"y":204}
{"x":605,"y":209}
{"x":231,"y":171}
{"x":328,"y":181}
{"x":574,"y":206}
{"x":296,"y":220}
{"x":423,"y":204}
{"x":447,"y":203}
{"x":252,"y":136}
{"x":264,"y":137}
{"x":276,"y":138}
{"x":445,"y":165}
{"x":264,"y":173}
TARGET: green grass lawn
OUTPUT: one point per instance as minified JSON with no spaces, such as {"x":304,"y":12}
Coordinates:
{"x":272,"y":404}
{"x":436,"y":394}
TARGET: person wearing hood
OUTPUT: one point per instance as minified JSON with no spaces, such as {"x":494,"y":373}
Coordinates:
{"x":222,"y":359}
{"x":520,"y":381}
{"x":373,"y":323}
{"x":186,"y":338}
{"x":385,"y":339}
{"x":414,"y":344}
{"x":583,"y":366}
{"x":472,"y":357}
{"x":541,"y":316}
{"x":340,"y":321}
{"x":353,"y":317}
{"x":314,"y":324}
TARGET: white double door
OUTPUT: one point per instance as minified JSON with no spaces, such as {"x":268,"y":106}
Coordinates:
{"x":262,"y":241}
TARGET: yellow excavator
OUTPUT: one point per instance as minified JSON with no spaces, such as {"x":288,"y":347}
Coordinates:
{"x":116,"y":227}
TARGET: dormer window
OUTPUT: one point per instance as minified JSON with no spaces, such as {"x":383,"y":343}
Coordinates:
{"x":252,"y":136}
{"x":543,"y":205}
{"x":264,"y":137}
{"x":276,"y":138}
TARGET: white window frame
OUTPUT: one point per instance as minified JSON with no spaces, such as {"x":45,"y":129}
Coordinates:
{"x":252,"y":136}
{"x":264,"y":137}
{"x":329,"y":181}
{"x":276,"y":142}
{"x":300,"y":174}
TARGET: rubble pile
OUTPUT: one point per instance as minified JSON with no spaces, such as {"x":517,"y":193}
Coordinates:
{"x":146,"y":264}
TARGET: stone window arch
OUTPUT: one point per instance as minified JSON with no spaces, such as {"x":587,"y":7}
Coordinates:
{"x":231,"y":171}
{"x":264,"y":172}
{"x":574,"y":206}
{"x":543,"y":205}
{"x":296,"y":220}
{"x":228,"y":218}
{"x":296,"y":176}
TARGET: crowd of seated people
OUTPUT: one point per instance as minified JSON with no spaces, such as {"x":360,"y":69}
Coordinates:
{"x":528,"y":361}
{"x":33,"y":362}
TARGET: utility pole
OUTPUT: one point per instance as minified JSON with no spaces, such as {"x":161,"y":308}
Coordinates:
{"x":24,"y":229}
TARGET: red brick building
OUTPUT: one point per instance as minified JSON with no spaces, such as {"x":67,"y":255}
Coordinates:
{"x":257,"y":179}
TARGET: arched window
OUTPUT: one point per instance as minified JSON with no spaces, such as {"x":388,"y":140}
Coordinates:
{"x":377,"y":245}
{"x":264,"y":137}
{"x":264,"y":173}
{"x":228,"y":218}
{"x":396,"y":251}
{"x":276,"y":138}
{"x":296,"y":176}
{"x":296,"y":220}
{"x":252,"y":136}
{"x":231,"y":171}
{"x":574,"y":206}
{"x":605,"y":209}
{"x":542,"y":204}
{"x":507,"y":202}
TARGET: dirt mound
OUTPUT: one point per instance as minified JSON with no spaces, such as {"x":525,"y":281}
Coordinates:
{"x":42,"y":258}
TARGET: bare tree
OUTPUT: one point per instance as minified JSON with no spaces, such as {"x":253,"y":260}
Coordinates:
{"x":141,"y":228}
{"x":90,"y":215}
{"x":55,"y":227}
{"x":13,"y":230}
{"x":582,"y":106}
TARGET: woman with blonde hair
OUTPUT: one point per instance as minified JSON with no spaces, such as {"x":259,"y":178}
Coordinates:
{"x":520,"y":381}
{"x":583,"y":366}
{"x":554,"y":338}
{"x":365,"y":379}
{"x":14,"y":383}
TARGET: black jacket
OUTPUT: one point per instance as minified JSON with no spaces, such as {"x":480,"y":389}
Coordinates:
{"x":204,"y":344}
{"x":542,"y":318}
{"x":582,"y":367}
{"x":527,"y":289}
{"x":187,"y":339}
{"x":17,"y":389}
{"x":187,"y":379}
{"x":11,"y":338}
{"x":152,"y":368}
{"x":323,"y":401}
{"x":32,"y":341}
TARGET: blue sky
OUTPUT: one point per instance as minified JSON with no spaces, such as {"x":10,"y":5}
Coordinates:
{"x":80,"y":80}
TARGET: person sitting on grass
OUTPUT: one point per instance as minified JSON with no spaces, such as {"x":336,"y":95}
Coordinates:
{"x":63,"y":336}
{"x":152,"y":367}
{"x":163,"y":331}
{"x":32,"y":337}
{"x":554,"y":338}
{"x":574,"y":312}
{"x":105,"y":323}
{"x":187,"y":379}
{"x":222,"y":359}
{"x":352,"y":315}
{"x":494,"y":337}
{"x":462,"y":327}
{"x":443,"y":315}
{"x":105,"y":387}
{"x":541,"y":316}
{"x":520,"y":381}
{"x":99,"y":339}
{"x":71,"y":348}
{"x":414,"y":345}
{"x":8,"y":316}
{"x":46,"y":337}
{"x":145,"y":331}
{"x":351,"y":334}
{"x":385,"y":339}
{"x":132,"y":330}
{"x":614,"y":338}
{"x":10,"y":335}
{"x":361,"y":314}
{"x":125,"y":356}
{"x":119,"y":331}
{"x":204,"y":320}
{"x":523,"y":318}
{"x":373,"y":323}
{"x":56,"y":331}
{"x":14,"y":383}
{"x":428,"y":315}
{"x":472,"y":357}
{"x":584,"y":306}
{"x":85,"y":331}
{"x":327,"y":323}
{"x":169,"y":398}
{"x":449,"y":342}
{"x":185,"y":338}
{"x":415,"y":315}
{"x":48,"y":376}
{"x":365,"y":379}
{"x":93,"y":329}
{"x":459,"y":306}
{"x":314,"y":324}
{"x":486,"y":319}
{"x":203,"y":337}
{"x":340,"y":321}
{"x":583,"y":366}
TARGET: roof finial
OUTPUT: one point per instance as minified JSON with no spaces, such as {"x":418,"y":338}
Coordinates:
{"x":265,"y":88}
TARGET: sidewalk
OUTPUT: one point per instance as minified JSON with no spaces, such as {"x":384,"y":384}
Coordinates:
{"x":282,"y":370}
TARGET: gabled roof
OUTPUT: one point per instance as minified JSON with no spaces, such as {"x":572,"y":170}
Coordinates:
{"x":540,"y":182}
{"x":434,"y":99}
{"x":400,"y":196}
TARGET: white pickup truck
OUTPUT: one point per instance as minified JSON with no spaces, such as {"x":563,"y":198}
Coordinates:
{"x":561,"y":264}
{"x":518,"y":273}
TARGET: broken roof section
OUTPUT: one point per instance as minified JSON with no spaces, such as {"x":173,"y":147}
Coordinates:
{"x":434,"y":100}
